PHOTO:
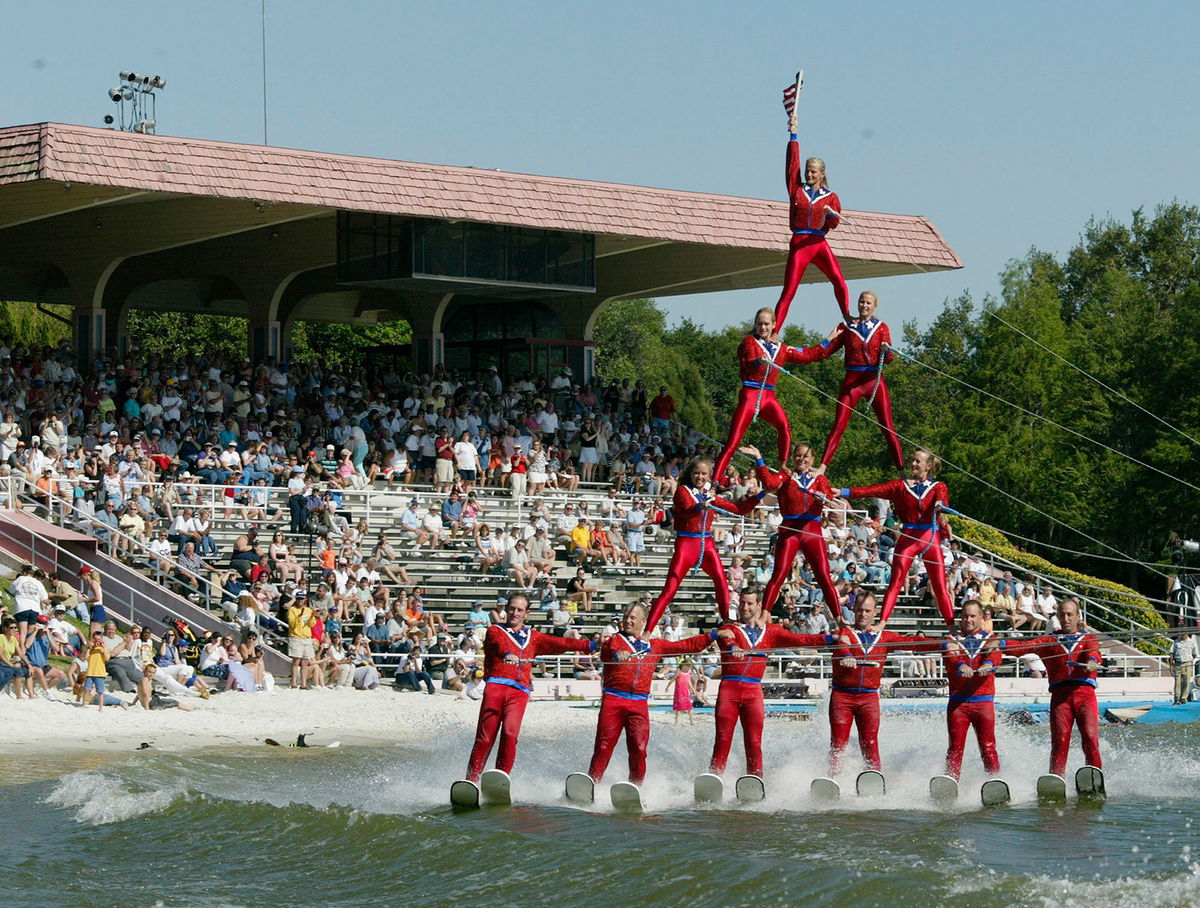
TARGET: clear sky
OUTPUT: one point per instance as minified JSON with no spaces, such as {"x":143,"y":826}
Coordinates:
{"x":1009,"y":125}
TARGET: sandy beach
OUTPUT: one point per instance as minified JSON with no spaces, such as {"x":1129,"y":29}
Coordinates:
{"x":382,"y":716}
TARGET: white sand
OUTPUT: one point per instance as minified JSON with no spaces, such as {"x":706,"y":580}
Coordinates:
{"x":383,"y":716}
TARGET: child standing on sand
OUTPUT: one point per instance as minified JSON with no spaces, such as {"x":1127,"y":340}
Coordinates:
{"x":97,"y":670}
{"x":682,"y":699}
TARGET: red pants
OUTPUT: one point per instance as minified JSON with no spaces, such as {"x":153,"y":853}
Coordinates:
{"x":982,"y":717}
{"x":804,"y":249}
{"x":616,"y":715}
{"x":863,"y":710}
{"x":743,"y":415}
{"x":687,"y":553}
{"x":501,"y":709}
{"x":857,"y":387}
{"x":1073,"y":703}
{"x":911,"y":544}
{"x":803,"y":536}
{"x":739,"y":700}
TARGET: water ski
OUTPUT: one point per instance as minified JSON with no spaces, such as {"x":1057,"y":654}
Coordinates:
{"x":1089,"y":783}
{"x":943,"y":789}
{"x":580,"y":788}
{"x":871,"y":784}
{"x":750,"y":789}
{"x":824,"y":789}
{"x":708,"y":788}
{"x":626,"y":796}
{"x":1051,"y":789}
{"x":464,"y":794}
{"x":496,"y":787}
{"x":994,"y":793}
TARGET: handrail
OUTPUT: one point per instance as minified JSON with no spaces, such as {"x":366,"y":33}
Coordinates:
{"x":1113,"y":618}
{"x":212,"y":591}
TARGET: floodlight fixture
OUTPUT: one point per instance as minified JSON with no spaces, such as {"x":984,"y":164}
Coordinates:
{"x":126,"y":75}
{"x":115,"y":95}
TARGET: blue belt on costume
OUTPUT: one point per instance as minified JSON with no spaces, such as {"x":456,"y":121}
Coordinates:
{"x":758,"y":385}
{"x":808,"y":231}
{"x":982,"y":698}
{"x":862,"y":368}
{"x":1090,"y":682}
{"x":919,"y":526}
{"x":688,"y":535}
{"x":806,"y":517}
{"x":857,"y":690}
{"x":742,"y":678}
{"x":625,"y":695}
{"x":509,"y":682}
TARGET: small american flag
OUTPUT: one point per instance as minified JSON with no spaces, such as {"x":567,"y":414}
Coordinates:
{"x":790,"y":93}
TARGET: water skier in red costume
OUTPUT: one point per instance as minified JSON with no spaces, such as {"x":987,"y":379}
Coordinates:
{"x":917,"y":502}
{"x":695,"y":507}
{"x":971,"y":661}
{"x":802,"y":496}
{"x":756,"y":399}
{"x":740,"y":697}
{"x":866,"y":342}
{"x":629,"y":662}
{"x":1072,"y":658}
{"x":813,"y":211}
{"x":858,"y":660}
{"x":507,"y":651}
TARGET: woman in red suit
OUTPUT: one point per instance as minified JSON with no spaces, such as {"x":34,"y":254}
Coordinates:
{"x":802,"y":496}
{"x":917,"y":503}
{"x":814,"y":211}
{"x":694,"y":508}
{"x":756,"y":355}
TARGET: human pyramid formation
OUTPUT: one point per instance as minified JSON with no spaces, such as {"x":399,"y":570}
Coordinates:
{"x":971,"y":652}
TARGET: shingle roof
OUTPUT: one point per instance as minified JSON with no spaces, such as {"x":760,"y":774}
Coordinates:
{"x":200,"y":167}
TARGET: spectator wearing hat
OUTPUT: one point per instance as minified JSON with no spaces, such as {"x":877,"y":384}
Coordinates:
{"x":518,"y":474}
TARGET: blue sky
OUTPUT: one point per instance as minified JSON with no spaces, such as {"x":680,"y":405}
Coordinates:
{"x":1008,"y":125}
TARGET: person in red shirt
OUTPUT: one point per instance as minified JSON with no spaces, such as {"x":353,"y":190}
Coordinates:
{"x":1072,"y":658}
{"x":520,"y":473}
{"x":628,"y":668}
{"x":802,"y":495}
{"x":740,"y":696}
{"x":858,"y":658}
{"x":662,"y":411}
{"x":971,"y":661}
{"x":507,"y":651}
{"x":918,"y":504}
{"x":813,"y":212}
{"x":693,"y":507}
{"x":756,"y":399}
{"x":866,"y":342}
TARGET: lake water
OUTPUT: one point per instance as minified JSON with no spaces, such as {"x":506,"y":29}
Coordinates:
{"x":369,"y":825}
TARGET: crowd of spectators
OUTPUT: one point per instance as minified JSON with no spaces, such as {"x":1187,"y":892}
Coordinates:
{"x":124,"y":449}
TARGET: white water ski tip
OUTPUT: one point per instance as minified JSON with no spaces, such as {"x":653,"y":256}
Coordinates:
{"x":626,"y":797}
{"x":1089,"y":783}
{"x":994,"y":793}
{"x":464,"y":794}
{"x":496,"y":787}
{"x":580,"y":788}
{"x":871,"y":784}
{"x":708,"y":788}
{"x":943,"y":789}
{"x":1051,"y":789}
{"x":825,"y":789}
{"x":750,"y":789}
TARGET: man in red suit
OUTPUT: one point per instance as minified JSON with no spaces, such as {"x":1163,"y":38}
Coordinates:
{"x":628,"y":663}
{"x":508,"y":650}
{"x":971,"y":662}
{"x":1072,"y":658}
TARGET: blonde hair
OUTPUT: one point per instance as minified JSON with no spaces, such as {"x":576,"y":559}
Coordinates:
{"x":872,"y":294}
{"x":821,"y":164}
{"x":766,"y":309}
